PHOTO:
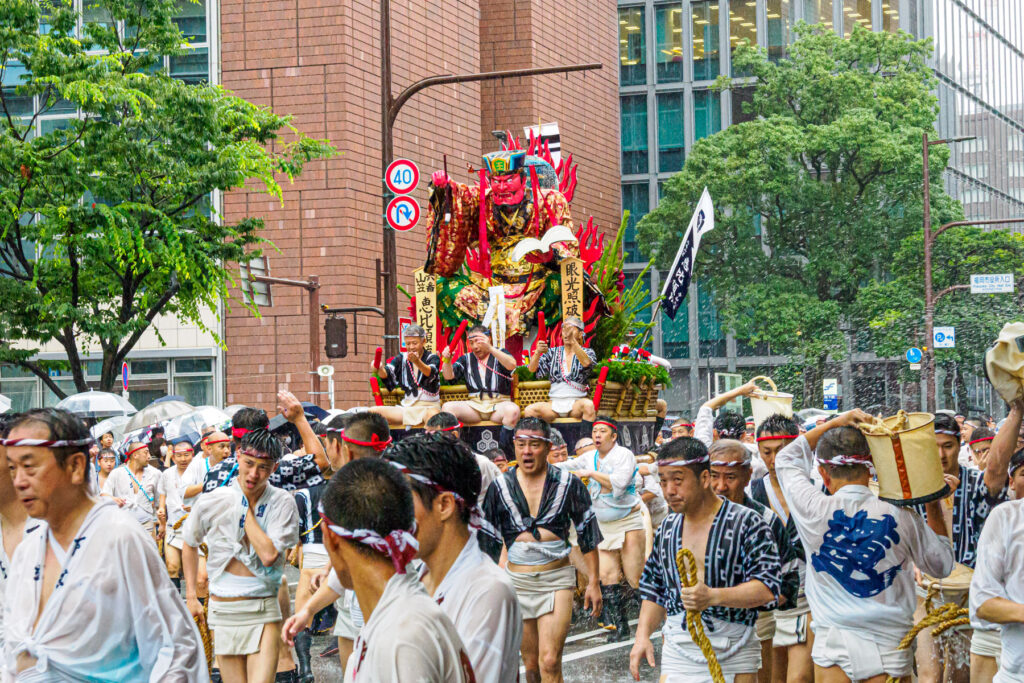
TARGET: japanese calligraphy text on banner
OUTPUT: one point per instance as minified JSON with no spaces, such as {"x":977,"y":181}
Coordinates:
{"x":572,"y":288}
{"x":677,"y":282}
{"x":426,"y":306}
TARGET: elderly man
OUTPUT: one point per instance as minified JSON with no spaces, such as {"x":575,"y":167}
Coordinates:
{"x":88,"y":596}
{"x":417,"y":372}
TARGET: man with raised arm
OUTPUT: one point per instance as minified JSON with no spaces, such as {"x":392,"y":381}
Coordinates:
{"x":247,"y":526}
{"x":861,"y":551}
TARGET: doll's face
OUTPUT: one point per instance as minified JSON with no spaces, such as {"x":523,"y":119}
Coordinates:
{"x":508,"y":190}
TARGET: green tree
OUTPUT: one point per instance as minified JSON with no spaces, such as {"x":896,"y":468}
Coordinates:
{"x":892,"y":309}
{"x":814,"y":194}
{"x":105,"y":223}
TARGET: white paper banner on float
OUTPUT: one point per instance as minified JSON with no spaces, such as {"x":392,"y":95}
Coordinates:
{"x":495,"y":316}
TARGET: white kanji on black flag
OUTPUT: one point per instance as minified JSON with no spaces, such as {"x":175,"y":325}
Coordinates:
{"x":677,"y":282}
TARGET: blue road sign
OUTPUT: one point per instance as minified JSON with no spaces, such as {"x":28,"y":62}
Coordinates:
{"x":914,"y":355}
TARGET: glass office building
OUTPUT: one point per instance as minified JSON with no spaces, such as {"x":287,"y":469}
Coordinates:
{"x":670,"y":55}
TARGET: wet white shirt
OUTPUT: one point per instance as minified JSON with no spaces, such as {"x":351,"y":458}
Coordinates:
{"x":138,"y":491}
{"x":170,"y":487}
{"x":488,"y":473}
{"x":1000,"y":574}
{"x":219,"y":519}
{"x":479,"y":599}
{"x":619,"y":464}
{"x":194,"y":475}
{"x":408,"y":638}
{"x":113,"y":615}
{"x":860,"y":551}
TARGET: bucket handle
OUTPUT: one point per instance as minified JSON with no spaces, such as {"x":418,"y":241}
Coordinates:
{"x":768,"y":380}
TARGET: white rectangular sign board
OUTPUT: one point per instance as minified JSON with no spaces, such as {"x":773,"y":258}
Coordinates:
{"x":945,"y":338}
{"x":992,"y":284}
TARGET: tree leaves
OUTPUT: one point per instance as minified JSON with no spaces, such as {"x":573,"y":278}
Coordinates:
{"x":106,"y":223}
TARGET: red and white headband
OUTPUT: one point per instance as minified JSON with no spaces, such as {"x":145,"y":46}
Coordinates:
{"x":44,"y":443}
{"x":400,"y":546}
{"x":135,"y":450}
{"x":776,"y":436}
{"x":984,"y":438}
{"x":253,"y":453}
{"x":476,"y":519}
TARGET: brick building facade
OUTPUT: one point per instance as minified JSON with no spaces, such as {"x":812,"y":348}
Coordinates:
{"x":320,"y":63}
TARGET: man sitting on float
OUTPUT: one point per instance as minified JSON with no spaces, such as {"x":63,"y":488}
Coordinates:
{"x":568,"y":367}
{"x":487,"y":373}
{"x":415,"y":371}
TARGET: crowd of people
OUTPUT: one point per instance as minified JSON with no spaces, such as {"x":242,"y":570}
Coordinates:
{"x":759,"y":552}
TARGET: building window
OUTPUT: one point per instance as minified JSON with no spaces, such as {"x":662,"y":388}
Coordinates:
{"x":636,"y":198}
{"x":193,"y":380}
{"x":978,"y":144}
{"x":742,"y":105}
{"x":707,"y":113}
{"x":632,"y":51}
{"x":1015,"y":143}
{"x":742,"y":27}
{"x":191,"y":21}
{"x":634,"y":134}
{"x":780,"y":22}
{"x":973,"y":196}
{"x":890,"y":15}
{"x":818,"y":12}
{"x":1017,"y":169}
{"x":671,"y":141}
{"x":668,"y":28}
{"x":977,"y":171}
{"x":705,"y":41}
{"x":856,"y":12}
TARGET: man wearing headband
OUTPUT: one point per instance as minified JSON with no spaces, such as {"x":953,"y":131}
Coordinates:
{"x":107,"y":461}
{"x":290,"y":474}
{"x":487,"y":373}
{"x":368,"y":518}
{"x":532,"y":507}
{"x":997,"y":587}
{"x":171,"y":508}
{"x":791,"y":646}
{"x":559,"y":449}
{"x":87,"y":594}
{"x":448,"y":423}
{"x":727,"y":424}
{"x":133,"y":486}
{"x":568,"y":367}
{"x":966,"y":508}
{"x":979,"y":444}
{"x":862,"y":552}
{"x":682,"y":427}
{"x":417,"y":372}
{"x":13,"y":517}
{"x":737,"y":567}
{"x":730,"y":477}
{"x":611,"y":474}
{"x":470,"y":588}
{"x":247,"y":526}
{"x":994,"y":557}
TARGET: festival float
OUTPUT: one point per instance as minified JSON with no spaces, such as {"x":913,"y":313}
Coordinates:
{"x":504,"y":251}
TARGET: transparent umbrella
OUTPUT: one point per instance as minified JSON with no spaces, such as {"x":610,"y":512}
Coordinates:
{"x":97,"y":405}
{"x":114,"y":425}
{"x":157,"y":412}
{"x":190,"y":425}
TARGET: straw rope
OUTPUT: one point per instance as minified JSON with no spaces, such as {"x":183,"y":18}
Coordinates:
{"x":204,"y":634}
{"x":943,"y":618}
{"x":687,"y":566}
{"x":877,"y":426}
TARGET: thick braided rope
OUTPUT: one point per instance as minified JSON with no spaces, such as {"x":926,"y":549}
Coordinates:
{"x":204,"y":634}
{"x":943,"y":618}
{"x":687,"y":566}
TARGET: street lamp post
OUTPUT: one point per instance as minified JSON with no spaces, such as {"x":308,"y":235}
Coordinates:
{"x":931,"y":298}
{"x":390,"y":106}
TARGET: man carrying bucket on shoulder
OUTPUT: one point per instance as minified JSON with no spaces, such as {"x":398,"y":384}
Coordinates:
{"x":861,"y":553}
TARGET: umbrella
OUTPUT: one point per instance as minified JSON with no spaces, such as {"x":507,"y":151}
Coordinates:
{"x":157,"y":412}
{"x":190,"y":425}
{"x":97,"y":405}
{"x":164,"y":399}
{"x":313,"y":411}
{"x":232,"y":409}
{"x":114,"y":425}
{"x":5,"y":404}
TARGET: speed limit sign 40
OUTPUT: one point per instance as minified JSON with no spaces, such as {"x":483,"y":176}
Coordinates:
{"x":402,"y":176}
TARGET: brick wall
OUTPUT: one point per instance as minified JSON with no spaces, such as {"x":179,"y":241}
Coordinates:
{"x":320,"y":63}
